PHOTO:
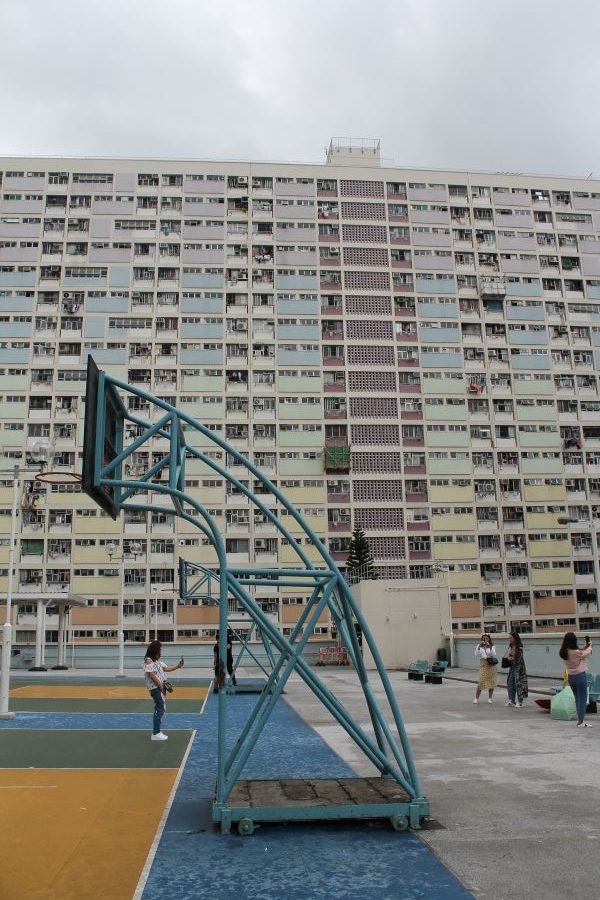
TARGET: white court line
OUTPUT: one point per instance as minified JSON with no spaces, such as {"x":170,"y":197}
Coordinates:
{"x":208,"y":693}
{"x":31,"y":787}
{"x":161,"y":825}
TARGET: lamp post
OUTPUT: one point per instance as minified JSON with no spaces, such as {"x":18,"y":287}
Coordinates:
{"x":41,"y":454}
{"x":111,"y":549}
{"x":443,"y":570}
{"x":7,"y":627}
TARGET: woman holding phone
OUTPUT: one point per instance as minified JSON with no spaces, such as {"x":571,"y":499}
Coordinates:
{"x":154,"y":673}
{"x":486,"y":652}
{"x":576,"y":666}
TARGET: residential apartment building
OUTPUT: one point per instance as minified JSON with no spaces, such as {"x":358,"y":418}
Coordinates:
{"x":414,"y":351}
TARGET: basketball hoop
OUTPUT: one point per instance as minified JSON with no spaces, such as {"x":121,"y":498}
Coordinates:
{"x":58,"y":478}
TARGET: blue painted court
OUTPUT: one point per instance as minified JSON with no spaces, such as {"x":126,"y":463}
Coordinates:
{"x":347,"y":861}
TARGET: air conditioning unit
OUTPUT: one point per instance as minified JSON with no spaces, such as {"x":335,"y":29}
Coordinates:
{"x":334,"y":251}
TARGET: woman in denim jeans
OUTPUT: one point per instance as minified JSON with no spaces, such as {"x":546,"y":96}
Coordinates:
{"x":576,"y":666}
{"x":154,"y":673}
{"x":517,"y":674}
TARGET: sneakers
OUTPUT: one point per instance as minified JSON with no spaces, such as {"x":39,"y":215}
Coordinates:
{"x":475,"y":700}
{"x":159,"y":737}
{"x":519,"y":705}
{"x":490,"y":700}
{"x":584,"y":725}
{"x":509,"y":703}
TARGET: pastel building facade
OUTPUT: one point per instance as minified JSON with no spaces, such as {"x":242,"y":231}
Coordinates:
{"x":414,"y":351}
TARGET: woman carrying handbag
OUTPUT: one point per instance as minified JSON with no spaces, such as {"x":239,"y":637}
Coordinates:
{"x":517,"y":675}
{"x":488,"y":662}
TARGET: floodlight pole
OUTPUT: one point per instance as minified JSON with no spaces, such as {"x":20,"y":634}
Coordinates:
{"x":120,"y":615}
{"x":7,"y":627}
{"x":157,"y":590}
{"x":121,"y":621}
{"x":442,"y":570}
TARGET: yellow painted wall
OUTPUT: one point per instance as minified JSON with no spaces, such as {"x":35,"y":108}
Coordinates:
{"x":464,"y":580}
{"x":455,"y":551}
{"x":95,"y":525}
{"x":203,"y":555}
{"x":541,"y":520}
{"x":303,"y":495}
{"x":288,"y":554}
{"x":91,"y":586}
{"x":549,"y":549}
{"x":6,"y":497}
{"x":207,"y":496}
{"x":544,"y":492}
{"x":449,"y":494}
{"x":317,"y":523}
{"x":543,"y":577}
{"x":461,"y":522}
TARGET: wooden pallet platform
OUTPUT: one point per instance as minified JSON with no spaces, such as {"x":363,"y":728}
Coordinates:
{"x":321,"y":799}
{"x":316,"y":792}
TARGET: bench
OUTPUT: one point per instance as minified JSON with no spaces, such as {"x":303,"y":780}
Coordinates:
{"x":416,"y":670}
{"x":436,"y":672}
{"x":422,"y":670}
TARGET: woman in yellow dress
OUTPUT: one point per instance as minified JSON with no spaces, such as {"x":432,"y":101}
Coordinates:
{"x":488,"y":663}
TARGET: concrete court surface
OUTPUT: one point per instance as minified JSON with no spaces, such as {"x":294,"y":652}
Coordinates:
{"x":517,"y":792}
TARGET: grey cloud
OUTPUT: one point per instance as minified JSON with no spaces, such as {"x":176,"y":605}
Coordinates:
{"x":483,"y":85}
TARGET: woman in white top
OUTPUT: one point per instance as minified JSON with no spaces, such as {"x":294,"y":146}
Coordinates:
{"x":154,"y":673}
{"x":485,"y":650}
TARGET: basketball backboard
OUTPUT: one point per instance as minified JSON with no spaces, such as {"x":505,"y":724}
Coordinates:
{"x":102,"y":438}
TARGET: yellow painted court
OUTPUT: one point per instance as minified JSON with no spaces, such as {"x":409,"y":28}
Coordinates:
{"x":101,"y":692}
{"x":78,"y":833}
{"x":81,"y":809}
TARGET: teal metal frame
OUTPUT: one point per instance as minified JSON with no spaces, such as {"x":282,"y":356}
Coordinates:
{"x":196,"y":583}
{"x":388,"y":747}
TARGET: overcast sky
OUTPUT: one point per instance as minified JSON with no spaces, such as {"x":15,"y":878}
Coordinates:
{"x":509,"y":85}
